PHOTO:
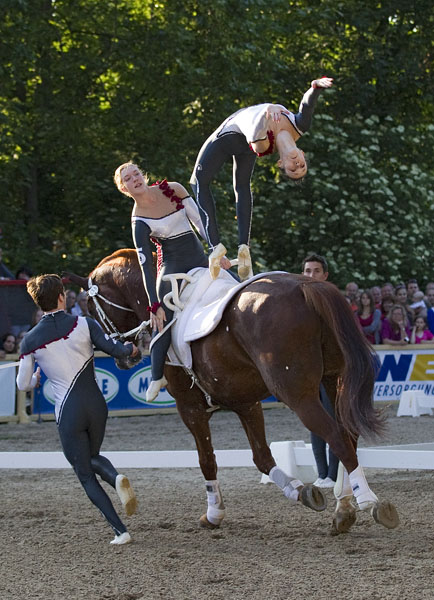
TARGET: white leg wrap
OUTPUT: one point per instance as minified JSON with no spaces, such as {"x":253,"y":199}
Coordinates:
{"x":342,"y":486}
{"x":287,"y":484}
{"x":216,"y":508}
{"x":361,"y":490}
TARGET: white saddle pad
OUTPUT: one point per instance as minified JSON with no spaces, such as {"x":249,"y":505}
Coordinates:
{"x":204,"y":301}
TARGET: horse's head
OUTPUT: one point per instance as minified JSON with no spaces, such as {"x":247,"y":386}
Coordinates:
{"x":117,"y":300}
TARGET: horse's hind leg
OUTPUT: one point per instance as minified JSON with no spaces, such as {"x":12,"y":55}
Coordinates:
{"x":354,"y":482}
{"x":252,"y":420}
{"x":192,"y":408}
{"x":344,"y":515}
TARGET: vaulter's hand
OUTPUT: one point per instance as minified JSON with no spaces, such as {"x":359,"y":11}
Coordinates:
{"x":158,"y":319}
{"x":274,"y":112}
{"x":225,"y":263}
{"x":324,"y":82}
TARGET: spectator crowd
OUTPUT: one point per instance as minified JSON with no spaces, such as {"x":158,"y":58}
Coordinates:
{"x":397,"y":315}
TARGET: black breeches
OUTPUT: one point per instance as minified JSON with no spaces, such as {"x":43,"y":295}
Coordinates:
{"x":180,"y":255}
{"x":81,"y":430}
{"x":211,"y":158}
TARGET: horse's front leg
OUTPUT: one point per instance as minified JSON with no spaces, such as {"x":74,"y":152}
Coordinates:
{"x":192,"y":408}
{"x":252,"y":420}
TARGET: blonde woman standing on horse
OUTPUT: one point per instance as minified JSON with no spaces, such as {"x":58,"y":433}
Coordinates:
{"x":163,"y":214}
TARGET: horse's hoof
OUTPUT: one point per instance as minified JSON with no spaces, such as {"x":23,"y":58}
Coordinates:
{"x":386,"y":514}
{"x":342,"y":522}
{"x":313,"y":497}
{"x":203,"y":522}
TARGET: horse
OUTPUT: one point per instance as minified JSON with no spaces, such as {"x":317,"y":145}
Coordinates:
{"x":283,"y":335}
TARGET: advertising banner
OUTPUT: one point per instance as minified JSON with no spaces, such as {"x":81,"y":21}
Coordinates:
{"x":403,"y":370}
{"x":122,"y":389}
{"x":125,"y":390}
{"x":7,"y":387}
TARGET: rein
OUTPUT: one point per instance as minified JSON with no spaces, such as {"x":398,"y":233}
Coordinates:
{"x":106,"y":322}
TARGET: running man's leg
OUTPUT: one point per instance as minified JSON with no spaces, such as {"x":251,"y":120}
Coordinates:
{"x":77,"y":445}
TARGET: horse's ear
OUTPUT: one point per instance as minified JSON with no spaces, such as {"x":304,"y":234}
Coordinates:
{"x":73,"y":278}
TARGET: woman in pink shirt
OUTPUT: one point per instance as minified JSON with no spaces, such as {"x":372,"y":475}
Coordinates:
{"x":395,"y":330}
{"x":420,"y":334}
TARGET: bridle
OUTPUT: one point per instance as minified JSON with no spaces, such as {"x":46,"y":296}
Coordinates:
{"x":105,"y":321}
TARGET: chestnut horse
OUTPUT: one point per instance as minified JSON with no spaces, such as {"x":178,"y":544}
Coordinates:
{"x":280,"y":335}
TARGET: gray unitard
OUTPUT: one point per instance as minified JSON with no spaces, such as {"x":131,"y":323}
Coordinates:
{"x":181,"y":252}
{"x":231,"y":140}
{"x":62,"y":345}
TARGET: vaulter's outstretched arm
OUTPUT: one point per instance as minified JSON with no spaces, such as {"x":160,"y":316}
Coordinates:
{"x":303,"y":118}
{"x":105,"y":343}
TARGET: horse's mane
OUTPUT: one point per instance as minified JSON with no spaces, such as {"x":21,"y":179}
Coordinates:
{"x":127,"y":253}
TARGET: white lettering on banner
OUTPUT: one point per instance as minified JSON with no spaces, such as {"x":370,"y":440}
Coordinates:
{"x":139,"y":383}
{"x":403,"y":370}
{"x":107,"y":383}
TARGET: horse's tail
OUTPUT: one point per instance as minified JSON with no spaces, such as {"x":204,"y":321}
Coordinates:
{"x":354,"y":402}
{"x":81,"y":281}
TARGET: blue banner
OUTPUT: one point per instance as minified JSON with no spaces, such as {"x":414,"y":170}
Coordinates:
{"x":122,"y":389}
{"x":126,"y":389}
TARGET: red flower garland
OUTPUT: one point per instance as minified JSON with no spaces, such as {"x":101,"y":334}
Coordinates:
{"x":167,"y":191}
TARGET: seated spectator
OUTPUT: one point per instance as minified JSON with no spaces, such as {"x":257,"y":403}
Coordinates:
{"x":387,"y":289}
{"x":401,"y":298}
{"x":386,"y":304}
{"x":420,"y":334}
{"x":8,"y":343}
{"x":36,"y":317}
{"x":71,"y":299}
{"x":395,"y":330}
{"x":429,"y":295}
{"x":418,"y":308}
{"x":369,"y":317}
{"x":412,"y":288}
{"x":376,"y":294}
{"x":352,"y":295}
{"x":19,"y":339}
{"x":4,"y":271}
{"x":80,"y":308}
{"x":23,"y":273}
{"x":2,"y":354}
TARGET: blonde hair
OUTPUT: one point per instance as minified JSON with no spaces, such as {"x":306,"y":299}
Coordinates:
{"x":117,"y":178}
{"x":403,"y":313}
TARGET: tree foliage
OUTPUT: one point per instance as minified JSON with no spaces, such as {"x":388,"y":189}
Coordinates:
{"x":87,"y":85}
